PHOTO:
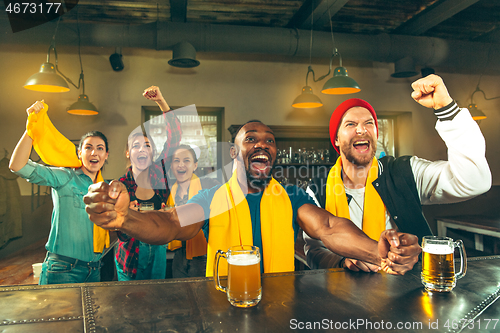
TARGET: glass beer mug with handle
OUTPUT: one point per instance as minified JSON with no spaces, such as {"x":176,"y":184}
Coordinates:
{"x":144,"y":206}
{"x":243,"y":279}
{"x":438,"y":264}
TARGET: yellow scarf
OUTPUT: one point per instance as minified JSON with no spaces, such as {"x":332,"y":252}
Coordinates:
{"x":374,"y":208}
{"x":196,"y":246}
{"x":230,"y":225}
{"x":54,"y":149}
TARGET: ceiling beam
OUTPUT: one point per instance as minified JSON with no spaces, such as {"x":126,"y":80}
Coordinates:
{"x":178,"y":10}
{"x":433,"y":16}
{"x":322,"y":14}
{"x":492,"y":36}
{"x":303,"y":14}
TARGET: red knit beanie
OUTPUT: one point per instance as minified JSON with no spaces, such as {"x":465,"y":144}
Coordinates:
{"x":339,"y":112}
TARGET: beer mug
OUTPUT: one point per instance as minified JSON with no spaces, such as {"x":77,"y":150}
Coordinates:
{"x":438,"y":264}
{"x":243,"y":279}
{"x":143,"y":206}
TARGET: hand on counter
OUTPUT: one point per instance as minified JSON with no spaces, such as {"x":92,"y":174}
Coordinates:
{"x":360,"y":265}
{"x":399,"y":251}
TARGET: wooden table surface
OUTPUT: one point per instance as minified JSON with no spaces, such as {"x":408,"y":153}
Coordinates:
{"x":329,"y":300}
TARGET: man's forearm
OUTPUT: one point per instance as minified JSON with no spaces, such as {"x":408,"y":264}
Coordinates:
{"x":152,"y":227}
{"x":349,"y":241}
{"x":356,"y":248}
{"x":161,"y":227}
{"x":318,"y":256}
{"x":338,"y":234}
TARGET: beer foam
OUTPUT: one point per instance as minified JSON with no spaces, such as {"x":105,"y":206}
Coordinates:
{"x":438,"y":249}
{"x":243,"y":260}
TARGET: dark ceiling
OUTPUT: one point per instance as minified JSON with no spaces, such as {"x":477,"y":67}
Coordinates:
{"x":449,"y":35}
{"x":468,"y":20}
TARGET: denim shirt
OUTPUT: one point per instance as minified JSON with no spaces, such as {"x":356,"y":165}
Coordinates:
{"x":71,"y":231}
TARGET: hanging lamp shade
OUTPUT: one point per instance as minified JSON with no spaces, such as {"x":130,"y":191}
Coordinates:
{"x":46,"y":80}
{"x":404,"y":67}
{"x":427,"y":71}
{"x":340,"y":83}
{"x":307,"y":99}
{"x":184,"y":56}
{"x":475,"y":112}
{"x":83,"y":107}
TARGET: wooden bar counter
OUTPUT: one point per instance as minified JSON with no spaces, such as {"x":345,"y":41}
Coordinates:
{"x":318,"y":300}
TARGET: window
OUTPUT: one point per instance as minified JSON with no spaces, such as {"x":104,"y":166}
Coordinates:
{"x":201,"y":126}
{"x":385,"y":142}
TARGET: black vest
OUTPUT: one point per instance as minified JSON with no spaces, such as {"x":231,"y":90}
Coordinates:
{"x":397,"y":189}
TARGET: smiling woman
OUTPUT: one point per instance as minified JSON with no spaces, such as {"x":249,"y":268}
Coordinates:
{"x":75,"y":247}
{"x":146,"y":183}
{"x":93,"y":152}
{"x":190,"y":257}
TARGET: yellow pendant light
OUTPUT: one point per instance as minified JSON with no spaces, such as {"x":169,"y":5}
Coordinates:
{"x":47,"y":80}
{"x":307,"y":99}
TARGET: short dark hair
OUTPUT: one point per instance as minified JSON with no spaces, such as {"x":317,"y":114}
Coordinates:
{"x":250,"y":121}
{"x":93,"y":134}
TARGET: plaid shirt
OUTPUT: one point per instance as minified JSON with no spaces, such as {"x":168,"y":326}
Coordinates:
{"x":127,"y":255}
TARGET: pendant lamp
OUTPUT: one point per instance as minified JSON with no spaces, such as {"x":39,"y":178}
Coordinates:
{"x":404,"y":67}
{"x":183,"y":56}
{"x":475,"y":112}
{"x":82,"y":107}
{"x":47,"y":80}
{"x":307,"y":99}
{"x":340,"y":83}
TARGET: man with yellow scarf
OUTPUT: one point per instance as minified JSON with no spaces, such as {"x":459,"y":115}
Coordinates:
{"x":388,"y":193}
{"x":230,"y":215}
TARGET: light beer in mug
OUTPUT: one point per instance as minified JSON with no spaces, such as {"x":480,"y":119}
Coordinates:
{"x":243,"y":281}
{"x":438,"y":264}
{"x":243,"y":275}
{"x":144,"y":206}
{"x":438,"y":267}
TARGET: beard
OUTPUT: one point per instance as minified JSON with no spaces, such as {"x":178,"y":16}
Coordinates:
{"x":358,"y":160}
{"x":261,"y":181}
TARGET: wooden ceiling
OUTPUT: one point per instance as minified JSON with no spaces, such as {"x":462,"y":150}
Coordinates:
{"x":468,"y":20}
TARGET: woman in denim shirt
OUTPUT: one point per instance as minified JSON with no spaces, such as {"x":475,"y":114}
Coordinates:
{"x":70,"y":257}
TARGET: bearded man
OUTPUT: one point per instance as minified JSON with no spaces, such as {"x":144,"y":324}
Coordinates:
{"x":252,"y":208}
{"x":388,"y":193}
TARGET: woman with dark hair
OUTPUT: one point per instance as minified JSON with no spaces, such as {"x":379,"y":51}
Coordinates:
{"x":190,"y":257}
{"x":74,"y":247}
{"x":146,"y":182}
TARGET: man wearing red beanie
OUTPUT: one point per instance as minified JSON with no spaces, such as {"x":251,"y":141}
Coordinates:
{"x":388,"y":193}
